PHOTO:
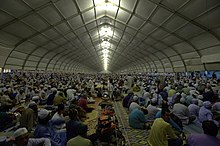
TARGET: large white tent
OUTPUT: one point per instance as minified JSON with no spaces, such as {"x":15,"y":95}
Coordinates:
{"x":138,"y":35}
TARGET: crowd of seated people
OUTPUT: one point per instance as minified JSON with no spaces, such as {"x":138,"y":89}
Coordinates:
{"x":188,"y":99}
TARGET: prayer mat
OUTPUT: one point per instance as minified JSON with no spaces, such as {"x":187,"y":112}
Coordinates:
{"x":92,"y":118}
{"x":133,"y":137}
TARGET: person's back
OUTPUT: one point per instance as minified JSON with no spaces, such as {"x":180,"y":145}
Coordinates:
{"x":202,"y":140}
{"x":159,"y":131}
{"x":59,"y":100}
{"x":81,"y":138}
{"x":27,"y":119}
{"x":205,"y":112}
{"x":71,"y":128}
{"x":79,"y":141}
{"x":126,"y":100}
{"x":137,"y":119}
{"x":208,"y":138}
{"x":180,"y":110}
{"x":186,"y":90}
{"x":44,"y":130}
{"x":133,"y":106}
{"x":82,"y":102}
{"x":50,"y":99}
{"x":152,"y":111}
{"x":194,"y":109}
{"x":171,"y":92}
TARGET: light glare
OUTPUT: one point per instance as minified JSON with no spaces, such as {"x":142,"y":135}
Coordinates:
{"x":106,"y":31}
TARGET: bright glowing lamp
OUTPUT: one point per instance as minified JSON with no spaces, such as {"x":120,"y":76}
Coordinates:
{"x":106,"y":31}
{"x":105,"y":45}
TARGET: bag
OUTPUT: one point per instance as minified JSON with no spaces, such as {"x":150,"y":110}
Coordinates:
{"x":106,"y":127}
{"x":177,"y":120}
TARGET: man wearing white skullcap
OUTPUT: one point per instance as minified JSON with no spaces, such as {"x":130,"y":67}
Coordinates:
{"x":181,"y":111}
{"x":205,"y":113}
{"x":21,"y":137}
{"x":152,"y":109}
{"x":134,"y":104}
{"x":194,"y":108}
{"x":43,"y":129}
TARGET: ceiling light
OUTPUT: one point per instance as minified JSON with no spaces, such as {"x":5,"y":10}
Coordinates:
{"x":98,"y":2}
{"x":106,"y":31}
{"x":107,"y":5}
{"x":105,"y":63}
{"x":105,"y":45}
{"x":105,"y":51}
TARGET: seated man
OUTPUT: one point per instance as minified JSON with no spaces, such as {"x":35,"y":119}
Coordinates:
{"x":134,"y":104}
{"x":182,"y":111}
{"x":161,"y":133}
{"x":58,"y":119}
{"x":43,"y":129}
{"x":137,"y":118}
{"x":28,"y":117}
{"x":126,"y":99}
{"x":208,"y":138}
{"x":82,"y":102}
{"x":81,"y":139}
{"x":206,"y":114}
{"x":152,"y":109}
{"x":59,"y":99}
{"x":73,"y":124}
{"x":21,"y":138}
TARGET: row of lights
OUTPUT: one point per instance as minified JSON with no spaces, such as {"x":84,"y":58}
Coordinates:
{"x":106,"y":31}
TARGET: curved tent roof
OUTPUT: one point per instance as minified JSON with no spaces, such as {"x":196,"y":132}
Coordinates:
{"x":147,"y":35}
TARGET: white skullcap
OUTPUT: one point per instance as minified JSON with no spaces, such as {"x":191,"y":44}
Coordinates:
{"x":177,"y":93}
{"x":182,"y":100}
{"x":152,"y":91}
{"x":5,"y":89}
{"x":20,"y":132}
{"x":135,"y":98}
{"x":3,"y":139}
{"x":200,"y":97}
{"x":207,"y":104}
{"x":35,"y":97}
{"x":183,"y":95}
{"x":43,"y":113}
{"x":195,"y":101}
{"x":53,"y":89}
{"x":32,"y":103}
{"x":153,"y":100}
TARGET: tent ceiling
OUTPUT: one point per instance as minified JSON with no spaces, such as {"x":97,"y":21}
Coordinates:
{"x":148,"y":35}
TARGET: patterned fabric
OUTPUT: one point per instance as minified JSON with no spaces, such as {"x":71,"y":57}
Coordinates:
{"x":135,"y":137}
